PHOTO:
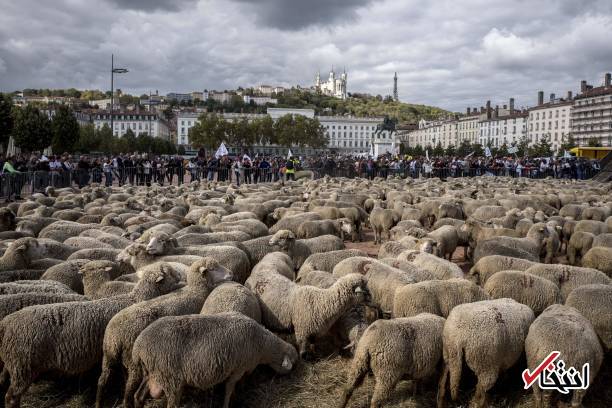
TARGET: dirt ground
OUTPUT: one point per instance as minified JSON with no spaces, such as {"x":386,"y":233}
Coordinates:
{"x":315,"y":384}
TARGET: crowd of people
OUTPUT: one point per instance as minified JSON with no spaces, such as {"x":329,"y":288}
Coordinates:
{"x":407,"y":166}
{"x":39,"y":171}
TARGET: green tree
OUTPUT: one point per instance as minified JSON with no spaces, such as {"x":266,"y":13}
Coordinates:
{"x":542,"y":148}
{"x":438,"y":150}
{"x":450,"y":150}
{"x":502,"y":150}
{"x":593,"y":142}
{"x":240,"y":133}
{"x":284,"y":130}
{"x":477,"y":149}
{"x":65,"y":130}
{"x":523,"y":147}
{"x":464,"y":148}
{"x":32,"y":129}
{"x":208,"y":132}
{"x":418,"y":151}
{"x":105,"y":141}
{"x":264,"y":130}
{"x":568,"y":143}
{"x":181,"y":150}
{"x":87,"y":139}
{"x":6,"y":118}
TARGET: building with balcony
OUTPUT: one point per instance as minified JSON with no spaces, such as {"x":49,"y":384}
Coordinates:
{"x":550,"y":120}
{"x":591,"y":114}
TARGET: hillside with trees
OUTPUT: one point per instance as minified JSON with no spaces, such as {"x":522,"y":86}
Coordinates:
{"x":359,"y":105}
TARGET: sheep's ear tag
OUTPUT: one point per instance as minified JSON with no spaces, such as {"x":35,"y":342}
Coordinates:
{"x":159,"y":279}
{"x":108,"y":268}
{"x":287,"y":363}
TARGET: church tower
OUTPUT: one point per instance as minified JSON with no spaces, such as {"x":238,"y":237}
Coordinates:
{"x":395,"y":96}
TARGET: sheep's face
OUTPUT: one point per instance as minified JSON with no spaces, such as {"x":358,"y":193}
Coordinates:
{"x":97,"y":269}
{"x":212,"y":271}
{"x":164,"y":277}
{"x":7,"y":220}
{"x":428,"y":245}
{"x":133,"y":250}
{"x":29,"y":248}
{"x":285,"y":359}
{"x":346,"y":226}
{"x":160,"y":244}
{"x":284,"y":239}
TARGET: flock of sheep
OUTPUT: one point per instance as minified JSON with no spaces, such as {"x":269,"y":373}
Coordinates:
{"x":197,"y":285}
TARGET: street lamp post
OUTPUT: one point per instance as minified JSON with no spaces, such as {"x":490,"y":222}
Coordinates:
{"x":113,"y":72}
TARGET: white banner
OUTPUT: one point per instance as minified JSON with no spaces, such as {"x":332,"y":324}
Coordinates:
{"x":289,"y":154}
{"x":488,"y":152}
{"x":469,"y":155}
{"x":246,"y":156}
{"x":513,"y":149}
{"x":427,"y":154}
{"x":221,"y":151}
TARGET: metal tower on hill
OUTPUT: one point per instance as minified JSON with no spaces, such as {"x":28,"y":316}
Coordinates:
{"x":395,"y":96}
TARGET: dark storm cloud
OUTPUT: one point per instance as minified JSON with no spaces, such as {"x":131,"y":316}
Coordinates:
{"x":152,"y":5}
{"x":448,"y":53}
{"x":297,"y":14}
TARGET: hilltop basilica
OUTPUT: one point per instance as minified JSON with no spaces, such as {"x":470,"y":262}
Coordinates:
{"x":333,"y":86}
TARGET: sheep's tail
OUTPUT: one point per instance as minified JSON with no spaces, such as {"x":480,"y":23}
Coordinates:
{"x":454,"y":364}
{"x":359,"y":369}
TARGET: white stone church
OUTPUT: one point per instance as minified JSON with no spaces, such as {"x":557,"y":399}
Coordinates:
{"x":333,"y":86}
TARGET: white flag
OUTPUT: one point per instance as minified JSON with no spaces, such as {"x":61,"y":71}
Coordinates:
{"x":469,"y":155}
{"x":513,"y":149}
{"x":566,"y":154}
{"x":246,"y":156}
{"x":221,"y":151}
{"x":371,"y":154}
{"x":427,"y":154}
{"x":289,"y":154}
{"x":488,"y":152}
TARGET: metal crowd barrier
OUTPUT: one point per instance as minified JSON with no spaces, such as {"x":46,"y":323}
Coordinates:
{"x":445,"y":173}
{"x":23,"y":184}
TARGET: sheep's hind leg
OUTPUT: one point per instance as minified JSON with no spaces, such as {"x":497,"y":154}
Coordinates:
{"x":486,"y":381}
{"x":230,"y":384}
{"x":103,"y":381}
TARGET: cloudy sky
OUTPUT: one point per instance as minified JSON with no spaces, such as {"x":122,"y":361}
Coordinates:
{"x":448,"y":53}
